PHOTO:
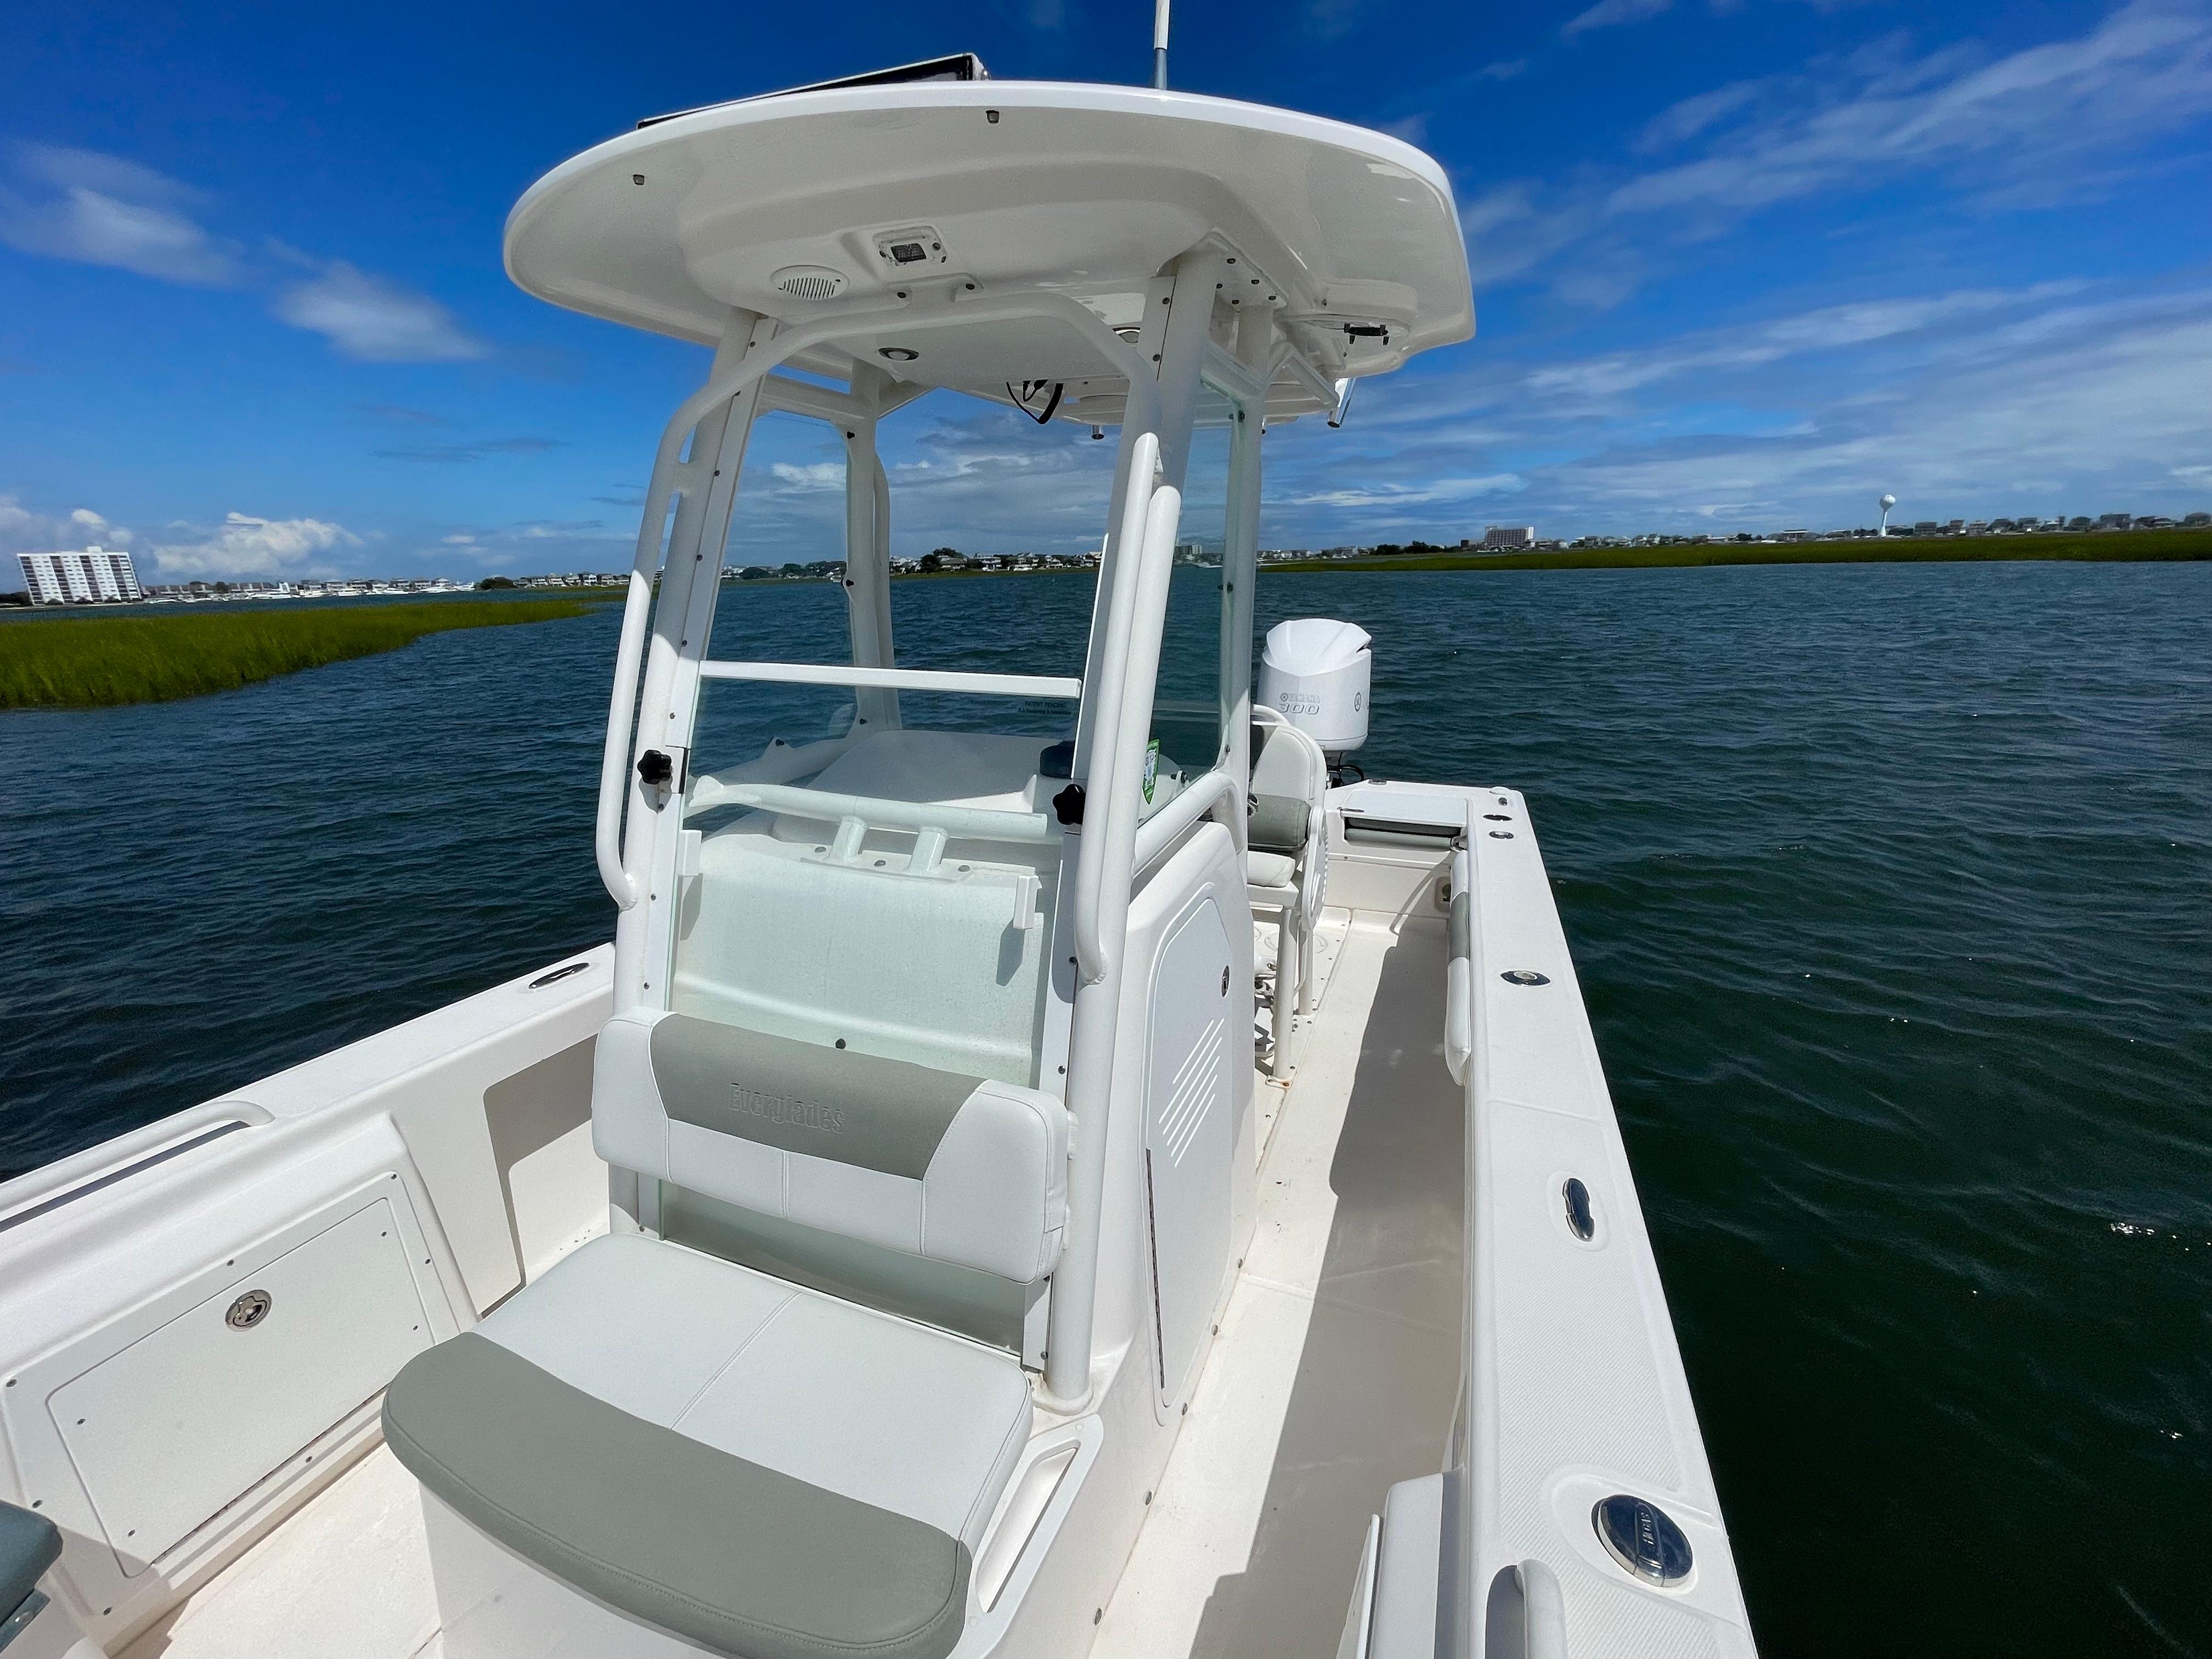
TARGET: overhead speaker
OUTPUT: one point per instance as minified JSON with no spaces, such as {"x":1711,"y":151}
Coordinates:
{"x":808,"y":281}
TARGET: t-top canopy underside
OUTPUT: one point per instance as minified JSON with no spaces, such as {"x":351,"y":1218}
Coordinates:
{"x":801,"y":206}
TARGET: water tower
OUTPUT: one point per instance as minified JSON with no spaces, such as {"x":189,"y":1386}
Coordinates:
{"x":1887,"y":501}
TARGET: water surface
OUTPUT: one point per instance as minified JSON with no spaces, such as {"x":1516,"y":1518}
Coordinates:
{"x":1890,"y":889}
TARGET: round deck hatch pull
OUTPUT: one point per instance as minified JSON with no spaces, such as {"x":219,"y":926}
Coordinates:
{"x":249,"y":1310}
{"x":1524,"y":976}
{"x":1580,"y":1221}
{"x":1642,"y":1538}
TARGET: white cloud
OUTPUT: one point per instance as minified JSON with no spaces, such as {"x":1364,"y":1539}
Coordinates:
{"x":246,"y":546}
{"x":24,"y":531}
{"x":103,"y":211}
{"x":2147,"y":67}
{"x":1607,"y":13}
{"x":1395,"y":499}
{"x":1828,"y":329}
{"x":96,"y":529}
{"x":813,"y":475}
{"x":533,"y":545}
{"x":376,"y":321}
{"x":2046,"y":125}
{"x":1681,"y":122}
{"x":1970,"y":403}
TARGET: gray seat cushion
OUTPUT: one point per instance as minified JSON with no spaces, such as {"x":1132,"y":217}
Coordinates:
{"x":754,"y":1466}
{"x":29,"y":1544}
{"x":965,"y":1170}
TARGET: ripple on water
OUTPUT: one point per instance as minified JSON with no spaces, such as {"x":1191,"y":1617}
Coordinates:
{"x":1888,"y":892}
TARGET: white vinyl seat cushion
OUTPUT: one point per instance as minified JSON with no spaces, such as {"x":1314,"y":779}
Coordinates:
{"x":754,"y":1466}
{"x":965,"y":1170}
{"x":1270,"y":869}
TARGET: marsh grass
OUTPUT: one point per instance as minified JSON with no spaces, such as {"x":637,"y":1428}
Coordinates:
{"x":100,"y":661}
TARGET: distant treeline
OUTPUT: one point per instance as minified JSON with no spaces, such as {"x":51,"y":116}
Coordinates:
{"x":78,"y":661}
{"x":2106,"y":547}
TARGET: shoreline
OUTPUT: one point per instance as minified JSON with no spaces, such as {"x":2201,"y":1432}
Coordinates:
{"x":2110,"y":547}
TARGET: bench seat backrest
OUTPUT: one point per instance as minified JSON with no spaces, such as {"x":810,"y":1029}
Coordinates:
{"x":964,"y":1170}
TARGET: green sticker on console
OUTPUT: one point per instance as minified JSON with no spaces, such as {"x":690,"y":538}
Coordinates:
{"x":1152,"y":769}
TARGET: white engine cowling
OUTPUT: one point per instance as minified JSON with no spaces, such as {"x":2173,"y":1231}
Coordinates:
{"x":1315,"y":673}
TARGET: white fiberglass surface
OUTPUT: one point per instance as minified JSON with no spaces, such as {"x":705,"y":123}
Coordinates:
{"x":795,"y":926}
{"x":786,"y":939}
{"x":1110,"y":182}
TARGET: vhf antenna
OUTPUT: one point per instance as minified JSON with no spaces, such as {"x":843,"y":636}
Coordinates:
{"x":1160,"y":45}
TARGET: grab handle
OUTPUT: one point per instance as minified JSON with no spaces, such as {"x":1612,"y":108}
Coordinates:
{"x":1459,"y":984}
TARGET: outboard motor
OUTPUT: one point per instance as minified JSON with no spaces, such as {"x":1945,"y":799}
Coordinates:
{"x":1315,"y":673}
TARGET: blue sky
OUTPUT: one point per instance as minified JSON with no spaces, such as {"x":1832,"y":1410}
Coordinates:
{"x":1738,"y":265}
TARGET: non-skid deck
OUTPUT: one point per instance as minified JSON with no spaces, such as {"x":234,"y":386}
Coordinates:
{"x":1338,"y":1363}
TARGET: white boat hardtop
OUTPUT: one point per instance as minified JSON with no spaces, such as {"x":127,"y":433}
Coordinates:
{"x":1349,"y":236}
{"x":982,"y":1126}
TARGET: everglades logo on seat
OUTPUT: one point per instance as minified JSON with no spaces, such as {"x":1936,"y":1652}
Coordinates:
{"x":781,"y":1109}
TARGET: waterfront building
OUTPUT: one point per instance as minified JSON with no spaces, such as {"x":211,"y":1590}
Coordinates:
{"x":1506,"y":535}
{"x":95,"y":576}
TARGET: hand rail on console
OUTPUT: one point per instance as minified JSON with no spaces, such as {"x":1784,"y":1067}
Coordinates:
{"x":614,"y":762}
{"x":1064,"y":688}
{"x":1112,"y":693}
{"x":1544,"y":1611}
{"x":962,"y":823}
{"x":1158,"y":832}
{"x":1459,"y":985}
{"x":1117,"y":797}
{"x":1103,"y":872}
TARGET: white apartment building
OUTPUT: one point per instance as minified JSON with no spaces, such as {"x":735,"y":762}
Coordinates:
{"x":94,"y":576}
{"x":1510,"y":536}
